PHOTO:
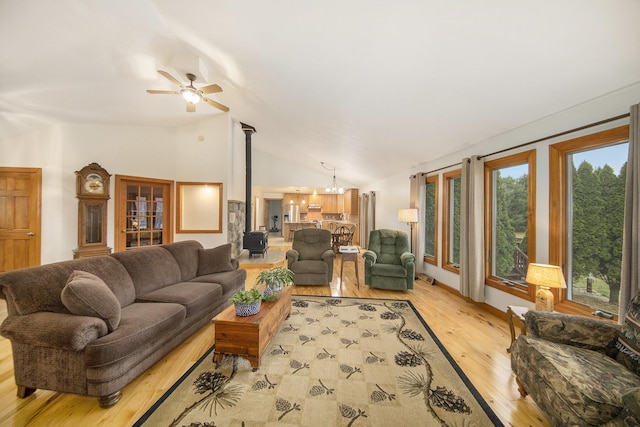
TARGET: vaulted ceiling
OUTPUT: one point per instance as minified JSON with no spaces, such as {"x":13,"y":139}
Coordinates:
{"x":370,"y":87}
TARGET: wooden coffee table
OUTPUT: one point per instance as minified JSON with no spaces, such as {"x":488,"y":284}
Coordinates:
{"x":249,"y":336}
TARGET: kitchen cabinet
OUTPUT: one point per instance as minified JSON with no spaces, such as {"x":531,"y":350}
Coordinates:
{"x":314,"y":199}
{"x":351,"y":201}
{"x":297,"y":199}
{"x":330,"y":203}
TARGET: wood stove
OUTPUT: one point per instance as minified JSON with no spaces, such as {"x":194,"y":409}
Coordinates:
{"x":256,"y":242}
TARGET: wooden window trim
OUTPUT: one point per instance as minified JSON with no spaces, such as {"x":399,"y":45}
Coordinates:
{"x":525,"y":157}
{"x":558,"y":206}
{"x":433,"y":259}
{"x":446,"y":212}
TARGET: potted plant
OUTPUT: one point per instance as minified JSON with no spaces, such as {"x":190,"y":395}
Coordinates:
{"x":247,"y":303}
{"x":274,"y":279}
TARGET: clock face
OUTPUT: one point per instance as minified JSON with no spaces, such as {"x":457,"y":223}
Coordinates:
{"x":94,"y":184}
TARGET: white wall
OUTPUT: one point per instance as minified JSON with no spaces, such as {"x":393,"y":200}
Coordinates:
{"x":42,"y":148}
{"x":202,"y":153}
{"x":196,"y":152}
{"x":607,"y":106}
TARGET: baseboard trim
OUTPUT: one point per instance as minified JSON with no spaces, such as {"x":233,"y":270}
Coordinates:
{"x":484,"y":306}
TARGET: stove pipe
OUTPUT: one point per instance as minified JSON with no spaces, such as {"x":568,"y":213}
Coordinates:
{"x":248,"y":131}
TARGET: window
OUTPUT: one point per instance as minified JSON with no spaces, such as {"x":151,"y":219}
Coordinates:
{"x":431,"y":220}
{"x":587,"y":189}
{"x":510,"y":222}
{"x":451,"y":221}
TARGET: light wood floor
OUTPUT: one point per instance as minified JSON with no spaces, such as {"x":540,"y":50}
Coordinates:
{"x":476,"y":339}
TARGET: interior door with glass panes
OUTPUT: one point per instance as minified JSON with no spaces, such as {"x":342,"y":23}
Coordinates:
{"x":143,"y":212}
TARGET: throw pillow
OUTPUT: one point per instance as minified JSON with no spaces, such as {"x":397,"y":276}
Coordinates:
{"x":214,"y":260}
{"x":629,"y":339}
{"x":86,"y":294}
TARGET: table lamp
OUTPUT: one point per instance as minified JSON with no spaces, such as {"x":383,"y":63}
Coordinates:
{"x":545,"y":276}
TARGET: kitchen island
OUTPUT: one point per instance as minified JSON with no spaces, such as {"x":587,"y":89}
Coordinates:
{"x":289,"y":227}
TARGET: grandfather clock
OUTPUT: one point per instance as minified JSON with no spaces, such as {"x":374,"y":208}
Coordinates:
{"x":92,"y":191}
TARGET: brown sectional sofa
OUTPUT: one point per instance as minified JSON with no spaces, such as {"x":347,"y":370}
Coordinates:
{"x":156,"y":298}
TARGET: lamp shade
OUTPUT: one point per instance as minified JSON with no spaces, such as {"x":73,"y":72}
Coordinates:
{"x":408,"y":215}
{"x":549,"y":276}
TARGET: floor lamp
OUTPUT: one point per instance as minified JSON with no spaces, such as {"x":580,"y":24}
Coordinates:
{"x":410,"y":216}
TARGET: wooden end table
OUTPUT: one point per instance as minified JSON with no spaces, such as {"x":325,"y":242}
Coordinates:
{"x":515,"y":317}
{"x":248,"y":336}
{"x":349,"y":253}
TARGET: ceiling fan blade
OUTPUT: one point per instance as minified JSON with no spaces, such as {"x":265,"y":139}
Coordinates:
{"x":211,"y":89}
{"x":170,"y":78}
{"x":191,"y":107}
{"x":166,"y":92}
{"x":215,"y":104}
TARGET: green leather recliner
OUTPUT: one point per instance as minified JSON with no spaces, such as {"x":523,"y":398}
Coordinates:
{"x":388,"y":263}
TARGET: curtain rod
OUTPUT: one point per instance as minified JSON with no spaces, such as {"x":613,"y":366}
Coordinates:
{"x":566,"y":132}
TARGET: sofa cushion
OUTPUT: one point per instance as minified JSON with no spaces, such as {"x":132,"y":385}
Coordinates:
{"x":86,"y":294}
{"x":629,"y":339}
{"x":230,"y":281}
{"x":194,"y":296}
{"x":310,"y":266}
{"x":388,"y":270}
{"x":594,"y":394}
{"x":150,"y":268}
{"x":186,"y":254}
{"x":214,"y":260}
{"x":143,"y":327}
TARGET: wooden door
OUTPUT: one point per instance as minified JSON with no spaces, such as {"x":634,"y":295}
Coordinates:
{"x":20,"y":204}
{"x":143,"y":208}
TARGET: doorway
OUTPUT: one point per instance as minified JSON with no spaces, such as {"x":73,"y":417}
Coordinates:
{"x":20,"y":217}
{"x":273,"y":212}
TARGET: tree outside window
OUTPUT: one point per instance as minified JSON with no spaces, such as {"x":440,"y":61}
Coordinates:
{"x":594,"y":223}
{"x":451,"y":221}
{"x":587,"y":177}
{"x":431,"y":220}
{"x":510,"y":221}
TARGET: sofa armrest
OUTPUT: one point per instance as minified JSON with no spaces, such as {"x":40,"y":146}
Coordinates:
{"x":370,"y":256}
{"x":292,"y":256}
{"x":407,"y":257}
{"x":578,"y":331}
{"x":56,"y":330}
{"x":328,"y":255}
{"x":235,"y":263}
{"x":631,"y":401}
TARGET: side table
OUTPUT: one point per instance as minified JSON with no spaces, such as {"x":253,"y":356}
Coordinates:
{"x":349,"y":253}
{"x":515,"y":317}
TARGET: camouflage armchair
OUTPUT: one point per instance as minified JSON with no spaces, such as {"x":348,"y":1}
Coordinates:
{"x":581,"y":371}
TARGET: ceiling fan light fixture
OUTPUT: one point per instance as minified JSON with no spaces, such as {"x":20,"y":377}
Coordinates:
{"x":191,"y":95}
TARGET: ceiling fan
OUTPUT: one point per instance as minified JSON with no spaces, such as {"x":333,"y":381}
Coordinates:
{"x":190,"y":93}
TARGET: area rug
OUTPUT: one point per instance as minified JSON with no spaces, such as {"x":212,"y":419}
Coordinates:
{"x":334,"y":362}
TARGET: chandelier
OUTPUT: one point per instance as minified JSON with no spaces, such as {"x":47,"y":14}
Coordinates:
{"x":333,"y":187}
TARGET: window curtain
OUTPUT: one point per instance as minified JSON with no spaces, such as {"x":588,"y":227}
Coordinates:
{"x":630,"y":276}
{"x":472,"y":229}
{"x":417,"y":200}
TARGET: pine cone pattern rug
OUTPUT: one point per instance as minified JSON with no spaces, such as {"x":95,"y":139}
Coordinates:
{"x":334,"y":362}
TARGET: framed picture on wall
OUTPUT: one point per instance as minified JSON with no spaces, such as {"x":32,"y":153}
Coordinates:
{"x":199,"y":207}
